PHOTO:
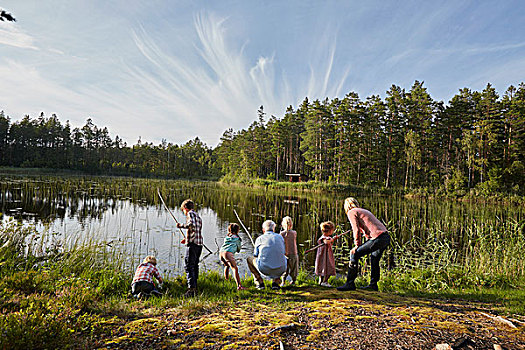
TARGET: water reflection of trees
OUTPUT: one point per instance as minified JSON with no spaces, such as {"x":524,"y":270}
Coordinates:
{"x":41,"y":201}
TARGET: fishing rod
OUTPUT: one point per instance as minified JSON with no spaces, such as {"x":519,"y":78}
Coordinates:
{"x":322,"y":244}
{"x":174,"y":218}
{"x":244,"y":227}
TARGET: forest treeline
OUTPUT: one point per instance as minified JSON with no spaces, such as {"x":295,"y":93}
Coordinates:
{"x":407,"y":141}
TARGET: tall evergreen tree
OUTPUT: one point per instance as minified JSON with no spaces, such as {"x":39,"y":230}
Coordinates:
{"x":420,"y":111}
{"x":395,"y":126}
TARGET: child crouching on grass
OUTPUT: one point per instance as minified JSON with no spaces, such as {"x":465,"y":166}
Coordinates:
{"x":142,"y":285}
{"x":231,"y":245}
{"x":324,"y":261}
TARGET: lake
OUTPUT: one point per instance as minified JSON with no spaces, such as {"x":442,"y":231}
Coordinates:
{"x":126,"y":217}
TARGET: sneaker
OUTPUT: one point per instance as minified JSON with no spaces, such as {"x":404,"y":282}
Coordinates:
{"x":241,"y":288}
{"x":143,"y":295}
{"x":259,"y":286}
{"x":326,"y":284}
{"x":275,"y":286}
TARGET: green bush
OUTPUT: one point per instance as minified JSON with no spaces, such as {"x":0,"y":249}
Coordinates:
{"x":50,"y":323}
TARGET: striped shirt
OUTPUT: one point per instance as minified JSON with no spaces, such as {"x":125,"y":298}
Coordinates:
{"x":194,"y":226}
{"x":146,"y":272}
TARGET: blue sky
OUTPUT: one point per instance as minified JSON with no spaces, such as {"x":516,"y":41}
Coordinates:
{"x":175,"y":70}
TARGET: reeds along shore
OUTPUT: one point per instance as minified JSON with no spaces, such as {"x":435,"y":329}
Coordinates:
{"x":492,"y":253}
{"x":478,"y":238}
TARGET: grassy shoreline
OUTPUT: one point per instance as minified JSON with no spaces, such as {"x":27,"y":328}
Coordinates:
{"x":68,"y":304}
{"x":81,"y":299}
{"x":438,"y":193}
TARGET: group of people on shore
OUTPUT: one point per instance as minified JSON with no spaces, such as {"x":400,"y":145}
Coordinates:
{"x":275,"y":255}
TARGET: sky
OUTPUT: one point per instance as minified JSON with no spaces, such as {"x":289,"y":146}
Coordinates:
{"x":179,"y":69}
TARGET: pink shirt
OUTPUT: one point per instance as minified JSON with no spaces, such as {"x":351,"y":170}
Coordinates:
{"x":365,"y":222}
{"x":290,"y":242}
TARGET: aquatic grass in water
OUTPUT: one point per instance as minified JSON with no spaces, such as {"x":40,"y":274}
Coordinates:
{"x":126,"y":214}
{"x":492,"y":249}
{"x":489,"y":268}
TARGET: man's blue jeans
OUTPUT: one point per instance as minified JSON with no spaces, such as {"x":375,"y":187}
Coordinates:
{"x":193,"y":254}
{"x":374,"y":247}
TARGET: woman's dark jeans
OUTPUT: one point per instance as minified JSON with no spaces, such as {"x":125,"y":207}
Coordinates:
{"x":374,"y":247}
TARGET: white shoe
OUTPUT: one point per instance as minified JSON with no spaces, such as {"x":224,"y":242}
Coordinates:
{"x":326,"y":284}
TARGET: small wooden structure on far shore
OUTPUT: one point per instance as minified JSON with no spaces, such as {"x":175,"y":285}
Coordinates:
{"x":297,"y":177}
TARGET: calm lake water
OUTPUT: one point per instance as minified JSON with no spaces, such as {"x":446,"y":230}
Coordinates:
{"x":126,"y":216}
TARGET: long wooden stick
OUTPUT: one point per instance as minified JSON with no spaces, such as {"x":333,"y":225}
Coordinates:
{"x":174,"y":218}
{"x":244,"y":227}
{"x":169,"y":211}
{"x":322,"y":244}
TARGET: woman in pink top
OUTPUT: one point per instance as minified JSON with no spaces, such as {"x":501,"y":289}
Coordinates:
{"x":365,"y":223}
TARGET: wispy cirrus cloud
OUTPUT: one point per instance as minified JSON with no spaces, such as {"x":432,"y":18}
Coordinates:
{"x":322,"y":79}
{"x":12,"y":35}
{"x":225,"y":87}
{"x":227,"y":90}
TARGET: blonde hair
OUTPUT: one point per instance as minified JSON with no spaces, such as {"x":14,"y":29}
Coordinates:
{"x":150,"y":259}
{"x":287,"y":223}
{"x":351,"y":203}
{"x":187,"y":204}
{"x":327,"y":226}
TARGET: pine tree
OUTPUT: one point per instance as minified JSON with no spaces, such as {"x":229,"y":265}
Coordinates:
{"x":395,"y":126}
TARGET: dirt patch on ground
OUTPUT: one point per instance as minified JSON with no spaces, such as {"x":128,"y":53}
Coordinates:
{"x":316,"y":318}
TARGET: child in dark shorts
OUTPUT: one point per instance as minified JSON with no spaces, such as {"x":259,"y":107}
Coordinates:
{"x":142,"y":284}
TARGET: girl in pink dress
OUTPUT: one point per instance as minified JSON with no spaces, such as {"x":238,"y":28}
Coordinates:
{"x":324,"y":261}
